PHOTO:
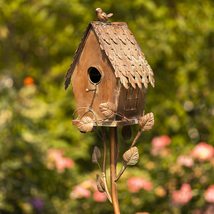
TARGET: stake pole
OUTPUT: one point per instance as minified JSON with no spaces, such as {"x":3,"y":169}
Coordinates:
{"x":113,"y":163}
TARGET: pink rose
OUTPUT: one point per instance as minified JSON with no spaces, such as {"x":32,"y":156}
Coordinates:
{"x":64,"y":163}
{"x":161,"y":141}
{"x":55,"y":154}
{"x":147,"y":185}
{"x":185,"y":161}
{"x":80,"y":192}
{"x":57,"y":159}
{"x":159,"y":144}
{"x":135,"y":184}
{"x":182,"y":196}
{"x":203,"y":151}
{"x":99,"y":196}
{"x":209,"y":194}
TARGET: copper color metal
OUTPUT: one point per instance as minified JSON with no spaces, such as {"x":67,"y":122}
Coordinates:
{"x":125,"y":74}
{"x":121,"y":50}
{"x":113,"y":163}
{"x":109,"y":76}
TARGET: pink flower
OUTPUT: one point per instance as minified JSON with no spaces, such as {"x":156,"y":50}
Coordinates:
{"x":55,"y":154}
{"x":182,"y":196}
{"x":64,"y":163}
{"x":56,"y":159}
{"x":80,"y":192}
{"x":203,"y":151}
{"x":147,"y":185}
{"x":185,"y":161}
{"x":159,"y":144}
{"x":161,"y":141}
{"x":99,"y":196}
{"x":209,"y":194}
{"x":135,"y":184}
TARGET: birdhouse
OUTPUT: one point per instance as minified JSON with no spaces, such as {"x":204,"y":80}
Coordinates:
{"x":109,"y":76}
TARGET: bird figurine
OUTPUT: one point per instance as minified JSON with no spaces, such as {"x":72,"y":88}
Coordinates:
{"x":102,"y":16}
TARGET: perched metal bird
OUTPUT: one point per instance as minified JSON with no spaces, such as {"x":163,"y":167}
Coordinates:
{"x":102,"y":16}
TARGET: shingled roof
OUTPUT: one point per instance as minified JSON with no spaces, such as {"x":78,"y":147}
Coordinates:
{"x":123,"y":52}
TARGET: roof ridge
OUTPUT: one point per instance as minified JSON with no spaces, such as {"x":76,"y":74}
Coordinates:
{"x":108,"y":23}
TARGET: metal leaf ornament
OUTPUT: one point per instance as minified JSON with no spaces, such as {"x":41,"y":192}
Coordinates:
{"x":100,"y":184}
{"x":85,"y":124}
{"x":146,"y":122}
{"x":108,"y":109}
{"x":96,"y":155}
{"x":131,"y":156}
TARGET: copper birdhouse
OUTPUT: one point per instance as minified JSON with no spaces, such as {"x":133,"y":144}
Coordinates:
{"x":109,"y":76}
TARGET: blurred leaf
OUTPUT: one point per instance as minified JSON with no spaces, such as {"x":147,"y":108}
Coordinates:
{"x":96,"y":155}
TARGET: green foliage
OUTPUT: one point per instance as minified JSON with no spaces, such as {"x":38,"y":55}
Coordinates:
{"x":38,"y":39}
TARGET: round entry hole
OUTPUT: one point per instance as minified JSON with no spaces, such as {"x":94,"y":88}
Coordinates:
{"x":94,"y":75}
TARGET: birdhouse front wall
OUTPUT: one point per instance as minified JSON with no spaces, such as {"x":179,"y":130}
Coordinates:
{"x":91,"y":91}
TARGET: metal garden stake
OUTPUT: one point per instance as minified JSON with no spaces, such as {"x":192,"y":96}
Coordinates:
{"x":109,"y":77}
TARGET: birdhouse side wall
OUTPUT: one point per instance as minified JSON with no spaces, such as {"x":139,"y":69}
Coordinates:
{"x":87,"y":94}
{"x":131,"y":102}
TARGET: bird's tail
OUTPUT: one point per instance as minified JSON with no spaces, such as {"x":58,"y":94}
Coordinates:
{"x":110,"y":15}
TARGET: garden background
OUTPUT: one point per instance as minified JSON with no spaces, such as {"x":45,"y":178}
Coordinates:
{"x":45,"y":162}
